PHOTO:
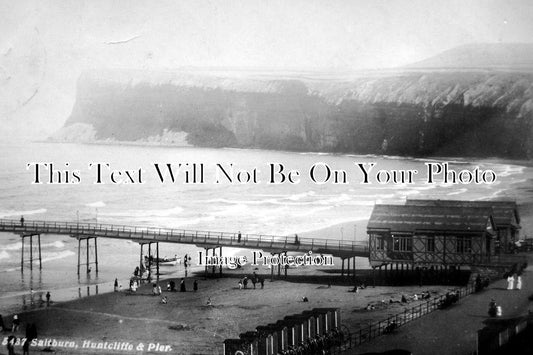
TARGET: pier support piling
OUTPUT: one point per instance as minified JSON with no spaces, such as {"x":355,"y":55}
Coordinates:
{"x":87,"y":254}
{"x":220,"y":267}
{"x":206,"y":254}
{"x":348,"y":268}
{"x":286,"y":266}
{"x":150,"y":262}
{"x":23,"y":240}
{"x":157,"y":260}
{"x":272,"y":271}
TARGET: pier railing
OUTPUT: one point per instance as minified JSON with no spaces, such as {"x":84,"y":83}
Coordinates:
{"x":146,"y":234}
{"x":390,"y":324}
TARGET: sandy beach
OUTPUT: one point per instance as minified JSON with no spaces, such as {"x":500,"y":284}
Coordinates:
{"x":188,"y":325}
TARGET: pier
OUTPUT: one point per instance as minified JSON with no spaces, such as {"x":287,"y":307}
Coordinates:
{"x":209,"y":240}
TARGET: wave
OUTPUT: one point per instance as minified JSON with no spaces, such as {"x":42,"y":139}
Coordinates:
{"x":457,"y":192}
{"x":145,"y":213}
{"x":11,"y":213}
{"x":509,"y":170}
{"x":297,"y":197}
{"x":57,"y":255}
{"x":96,"y":204}
{"x":47,"y":257}
{"x":4,"y":255}
{"x":17,"y":246}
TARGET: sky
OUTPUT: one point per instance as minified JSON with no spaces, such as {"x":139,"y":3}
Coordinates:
{"x":45,"y":45}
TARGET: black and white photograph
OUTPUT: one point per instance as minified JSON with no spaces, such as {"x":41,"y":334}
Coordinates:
{"x":266,"y":177}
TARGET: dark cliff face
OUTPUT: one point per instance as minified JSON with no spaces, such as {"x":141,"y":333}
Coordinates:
{"x":417,"y":114}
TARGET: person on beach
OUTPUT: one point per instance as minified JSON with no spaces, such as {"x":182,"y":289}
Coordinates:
{"x":492,"y":308}
{"x":510,"y":282}
{"x":518,"y":282}
{"x":239,"y":237}
{"x":31,"y":333}
{"x":240,"y":284}
{"x":254,"y":280}
{"x":115,"y":286}
{"x":16,"y":323}
{"x":11,"y":345}
{"x":195,"y":286}
{"x":262,"y":282}
{"x":182,"y":286}
{"x":48,"y":298}
{"x":22,"y":221}
{"x":296,"y":240}
{"x":245,"y":281}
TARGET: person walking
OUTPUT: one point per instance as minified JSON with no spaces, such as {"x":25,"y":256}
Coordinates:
{"x":182,"y":286}
{"x":254,"y":279}
{"x":22,"y":221}
{"x":48,"y":298}
{"x":16,"y":323}
{"x":493,"y":308}
{"x":239,"y":237}
{"x":510,"y":282}
{"x":519,"y":282}
{"x":115,"y":286}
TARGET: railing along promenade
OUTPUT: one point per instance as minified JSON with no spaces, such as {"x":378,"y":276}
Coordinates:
{"x":206,"y":239}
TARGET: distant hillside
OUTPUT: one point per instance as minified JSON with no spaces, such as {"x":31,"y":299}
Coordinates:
{"x":513,"y":56}
{"x":412,"y":112}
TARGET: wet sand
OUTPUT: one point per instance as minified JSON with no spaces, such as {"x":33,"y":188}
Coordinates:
{"x":188,"y":325}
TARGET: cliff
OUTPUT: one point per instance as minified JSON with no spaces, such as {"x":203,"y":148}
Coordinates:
{"x":410,"y":112}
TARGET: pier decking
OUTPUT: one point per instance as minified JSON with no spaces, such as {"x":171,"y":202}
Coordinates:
{"x":203,"y":239}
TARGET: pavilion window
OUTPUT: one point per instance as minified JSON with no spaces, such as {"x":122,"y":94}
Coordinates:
{"x":402,"y":243}
{"x":430,"y":243}
{"x":380,"y":242}
{"x":464,"y":244}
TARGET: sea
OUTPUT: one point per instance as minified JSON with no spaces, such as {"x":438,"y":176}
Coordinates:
{"x":252,"y":191}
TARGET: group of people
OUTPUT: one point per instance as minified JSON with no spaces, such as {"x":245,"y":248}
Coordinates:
{"x":31,"y":333}
{"x":255,"y":279}
{"x":514,"y":282}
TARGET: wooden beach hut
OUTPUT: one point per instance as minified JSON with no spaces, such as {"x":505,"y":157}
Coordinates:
{"x":504,"y":213}
{"x":428,"y":235}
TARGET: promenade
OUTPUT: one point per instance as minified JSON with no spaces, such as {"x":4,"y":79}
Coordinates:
{"x":454,"y":330}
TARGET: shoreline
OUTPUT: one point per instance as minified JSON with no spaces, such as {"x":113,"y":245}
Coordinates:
{"x":129,"y":317}
{"x":462,"y":159}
